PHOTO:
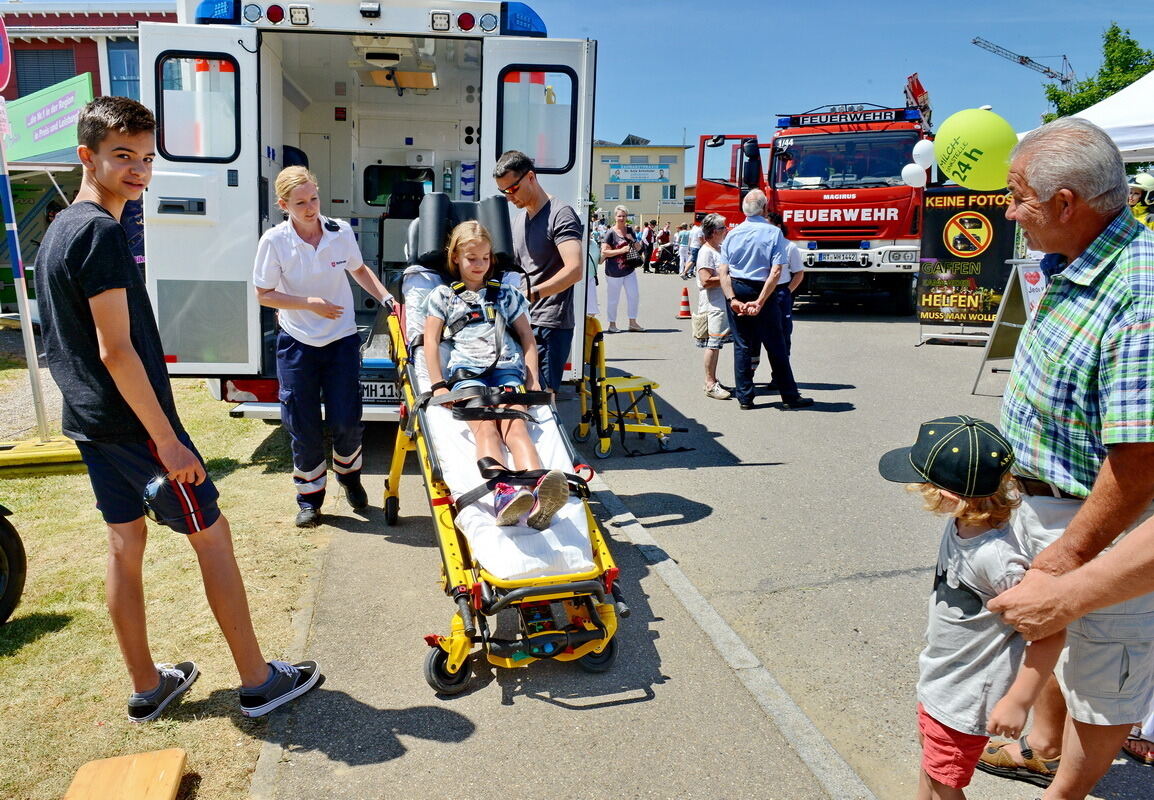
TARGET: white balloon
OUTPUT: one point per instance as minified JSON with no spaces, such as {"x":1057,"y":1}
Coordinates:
{"x":914,"y":175}
{"x":924,"y":154}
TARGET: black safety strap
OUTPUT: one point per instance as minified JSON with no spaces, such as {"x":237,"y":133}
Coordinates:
{"x":498,"y":474}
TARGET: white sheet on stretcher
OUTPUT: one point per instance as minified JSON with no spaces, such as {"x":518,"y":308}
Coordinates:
{"x":509,"y":552}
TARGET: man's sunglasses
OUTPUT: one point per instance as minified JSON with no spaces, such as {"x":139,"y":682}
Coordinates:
{"x":509,"y":190}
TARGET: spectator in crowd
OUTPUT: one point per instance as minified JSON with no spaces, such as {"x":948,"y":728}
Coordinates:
{"x":648,"y":236}
{"x":664,"y":236}
{"x":711,"y":323}
{"x":547,"y":242}
{"x":682,"y":239}
{"x":752,"y":258}
{"x":694,"y":245}
{"x":618,"y":273}
{"x":791,"y":278}
{"x":1079,"y":412}
{"x":1141,"y":200}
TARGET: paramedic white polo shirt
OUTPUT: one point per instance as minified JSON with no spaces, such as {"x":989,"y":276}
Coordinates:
{"x":286,"y":263}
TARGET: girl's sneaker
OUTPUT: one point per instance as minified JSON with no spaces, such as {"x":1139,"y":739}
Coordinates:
{"x":552,"y":491}
{"x":511,"y":503}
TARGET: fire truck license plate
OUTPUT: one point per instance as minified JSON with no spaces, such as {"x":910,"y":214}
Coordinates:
{"x":837,"y":257}
{"x":378,"y":392}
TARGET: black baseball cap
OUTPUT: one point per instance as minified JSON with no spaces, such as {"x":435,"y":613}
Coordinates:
{"x":961,"y":454}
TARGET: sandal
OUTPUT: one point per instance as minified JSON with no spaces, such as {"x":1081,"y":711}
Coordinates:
{"x":1033,"y":769}
{"x":1128,"y":747}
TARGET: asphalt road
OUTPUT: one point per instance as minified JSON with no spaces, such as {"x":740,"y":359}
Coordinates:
{"x":772,"y":537}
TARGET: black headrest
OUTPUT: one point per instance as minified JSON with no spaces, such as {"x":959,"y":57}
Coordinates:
{"x":429,"y":233}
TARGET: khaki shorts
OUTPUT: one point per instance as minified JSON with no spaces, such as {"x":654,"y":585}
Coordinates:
{"x":1106,"y":670}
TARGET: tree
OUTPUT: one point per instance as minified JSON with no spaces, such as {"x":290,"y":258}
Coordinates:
{"x":1123,"y":62}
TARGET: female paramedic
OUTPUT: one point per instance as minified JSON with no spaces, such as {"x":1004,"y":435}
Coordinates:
{"x":300,"y":270}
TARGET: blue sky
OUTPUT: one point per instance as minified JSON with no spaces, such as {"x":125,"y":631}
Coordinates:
{"x":729,"y":66}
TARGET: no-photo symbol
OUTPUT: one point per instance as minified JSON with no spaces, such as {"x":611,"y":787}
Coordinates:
{"x":968,"y":235}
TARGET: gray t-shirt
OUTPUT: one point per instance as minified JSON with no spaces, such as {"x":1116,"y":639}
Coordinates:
{"x":535,"y":244}
{"x":971,"y":656}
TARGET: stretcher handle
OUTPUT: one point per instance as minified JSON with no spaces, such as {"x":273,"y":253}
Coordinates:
{"x":576,"y":587}
{"x":466,"y":615}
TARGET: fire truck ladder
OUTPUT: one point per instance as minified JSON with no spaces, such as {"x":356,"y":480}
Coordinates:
{"x":1065,"y":77}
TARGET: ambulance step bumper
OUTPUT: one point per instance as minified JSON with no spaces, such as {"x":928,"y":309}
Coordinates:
{"x":370,"y":412}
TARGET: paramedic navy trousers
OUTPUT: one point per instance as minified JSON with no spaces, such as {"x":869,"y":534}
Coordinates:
{"x":307,"y":374}
{"x":750,"y":334}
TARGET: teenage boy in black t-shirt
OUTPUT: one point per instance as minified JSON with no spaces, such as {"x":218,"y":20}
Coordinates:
{"x":103,"y":347}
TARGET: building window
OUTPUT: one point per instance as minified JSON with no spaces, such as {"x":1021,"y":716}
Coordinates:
{"x":124,"y":68}
{"x":638,"y":159}
{"x":669,"y":192}
{"x":610,"y":159}
{"x":633,"y":191}
{"x":667,"y":159}
{"x":612,"y":192}
{"x":39,"y":69}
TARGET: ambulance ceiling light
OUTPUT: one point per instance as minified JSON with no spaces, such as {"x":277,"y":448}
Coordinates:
{"x":274,"y":13}
{"x":517,"y":19}
{"x":217,"y":12}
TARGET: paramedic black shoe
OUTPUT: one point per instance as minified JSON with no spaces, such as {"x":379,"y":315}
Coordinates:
{"x":308,"y":517}
{"x":288,"y":682}
{"x":358,"y":497}
{"x":174,"y":681}
{"x":551,"y":491}
{"x":511,"y":504}
{"x":799,"y":402}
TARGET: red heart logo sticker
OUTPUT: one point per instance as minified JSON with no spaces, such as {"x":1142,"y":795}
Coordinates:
{"x":1032,"y":278}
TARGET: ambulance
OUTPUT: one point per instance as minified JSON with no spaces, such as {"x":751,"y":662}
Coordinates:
{"x":385,"y":102}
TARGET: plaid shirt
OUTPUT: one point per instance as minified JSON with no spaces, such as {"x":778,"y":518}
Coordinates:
{"x":1083,"y":375}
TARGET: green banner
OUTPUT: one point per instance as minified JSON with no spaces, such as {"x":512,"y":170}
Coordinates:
{"x":45,"y":121}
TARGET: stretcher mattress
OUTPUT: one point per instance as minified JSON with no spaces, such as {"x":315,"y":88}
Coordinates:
{"x":507,"y":552}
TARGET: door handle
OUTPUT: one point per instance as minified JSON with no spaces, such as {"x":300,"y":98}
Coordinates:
{"x":181,"y":205}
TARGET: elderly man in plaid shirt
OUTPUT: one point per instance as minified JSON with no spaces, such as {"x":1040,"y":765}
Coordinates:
{"x":1079,"y":411}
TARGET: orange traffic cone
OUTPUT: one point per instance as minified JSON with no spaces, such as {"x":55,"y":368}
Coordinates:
{"x":684,"y":312}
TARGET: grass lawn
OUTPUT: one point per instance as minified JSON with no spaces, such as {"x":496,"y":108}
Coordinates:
{"x":63,"y":687}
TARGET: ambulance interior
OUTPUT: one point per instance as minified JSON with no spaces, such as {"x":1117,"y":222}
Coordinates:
{"x":381,"y":121}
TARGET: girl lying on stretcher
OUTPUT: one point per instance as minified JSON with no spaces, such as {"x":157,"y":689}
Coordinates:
{"x":475,"y":315}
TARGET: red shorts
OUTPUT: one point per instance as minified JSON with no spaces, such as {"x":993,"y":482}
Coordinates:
{"x":948,"y":756}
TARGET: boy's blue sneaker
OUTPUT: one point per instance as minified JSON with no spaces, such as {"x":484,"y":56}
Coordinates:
{"x":288,"y":682}
{"x":552,"y":491}
{"x":174,"y":681}
{"x":511,"y":503}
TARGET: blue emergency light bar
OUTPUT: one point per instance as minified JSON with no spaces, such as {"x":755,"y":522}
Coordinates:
{"x":817,"y":118}
{"x":221,"y":12}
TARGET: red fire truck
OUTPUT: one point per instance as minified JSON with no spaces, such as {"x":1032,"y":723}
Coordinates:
{"x":835,"y":175}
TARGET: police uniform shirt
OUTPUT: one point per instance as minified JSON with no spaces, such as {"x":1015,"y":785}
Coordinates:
{"x":287,"y":264}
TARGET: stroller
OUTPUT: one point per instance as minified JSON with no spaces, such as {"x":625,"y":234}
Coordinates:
{"x":665,"y":259}
{"x":558,"y":587}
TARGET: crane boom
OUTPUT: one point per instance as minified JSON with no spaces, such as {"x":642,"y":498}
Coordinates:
{"x":1065,"y":78}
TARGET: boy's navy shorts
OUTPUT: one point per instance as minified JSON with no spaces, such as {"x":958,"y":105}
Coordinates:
{"x":122,"y":473}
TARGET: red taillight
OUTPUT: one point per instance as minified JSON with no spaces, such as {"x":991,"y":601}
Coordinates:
{"x":466,"y":21}
{"x":274,"y":13}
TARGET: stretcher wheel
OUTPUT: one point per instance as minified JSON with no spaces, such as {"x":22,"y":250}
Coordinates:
{"x":599,"y":662}
{"x":438,"y":676}
{"x":602,"y":448}
{"x":577,"y":437}
{"x":664,"y":443}
{"x":392,"y":508}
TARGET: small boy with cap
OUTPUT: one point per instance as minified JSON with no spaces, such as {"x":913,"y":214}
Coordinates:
{"x":969,"y":682}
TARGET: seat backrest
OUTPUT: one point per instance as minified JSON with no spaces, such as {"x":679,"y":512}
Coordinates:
{"x":429,"y":235}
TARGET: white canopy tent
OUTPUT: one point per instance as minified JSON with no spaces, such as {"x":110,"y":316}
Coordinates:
{"x":1128,"y":116}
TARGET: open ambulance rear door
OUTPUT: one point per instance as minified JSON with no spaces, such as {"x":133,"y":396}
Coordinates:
{"x":537,"y":97}
{"x":201,"y":217}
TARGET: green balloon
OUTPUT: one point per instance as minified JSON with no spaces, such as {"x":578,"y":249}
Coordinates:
{"x":973,"y":149}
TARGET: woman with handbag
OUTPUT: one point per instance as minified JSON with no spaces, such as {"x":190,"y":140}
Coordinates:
{"x":622,"y":252}
{"x":710,"y":323}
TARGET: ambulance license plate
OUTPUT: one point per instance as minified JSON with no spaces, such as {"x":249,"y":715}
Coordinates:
{"x":379,"y":392}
